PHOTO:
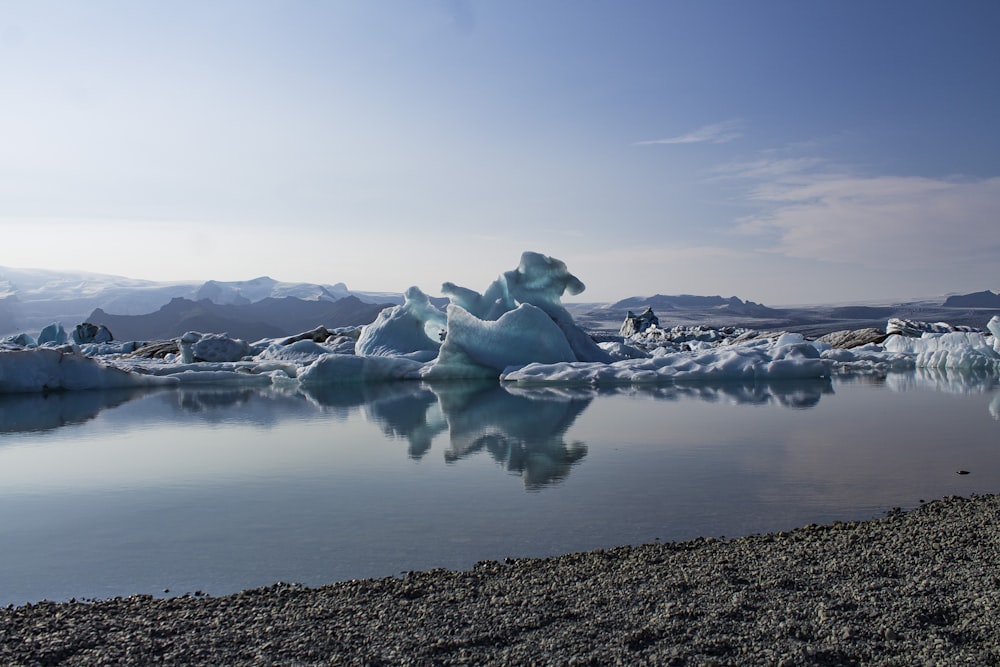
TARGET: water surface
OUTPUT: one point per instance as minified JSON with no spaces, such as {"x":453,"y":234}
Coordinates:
{"x":216,"y":490}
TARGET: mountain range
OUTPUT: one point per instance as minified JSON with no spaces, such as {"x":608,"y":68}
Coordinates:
{"x":268,"y":318}
{"x":985,"y":299}
{"x":663,"y":303}
{"x":33,"y":298}
{"x":30,"y":299}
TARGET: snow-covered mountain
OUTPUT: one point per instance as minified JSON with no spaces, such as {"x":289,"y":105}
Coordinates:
{"x":33,"y":298}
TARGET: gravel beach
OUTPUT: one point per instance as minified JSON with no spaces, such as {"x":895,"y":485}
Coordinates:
{"x":913,"y":588}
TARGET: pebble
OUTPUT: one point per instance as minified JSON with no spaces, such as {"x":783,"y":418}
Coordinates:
{"x":914,"y":588}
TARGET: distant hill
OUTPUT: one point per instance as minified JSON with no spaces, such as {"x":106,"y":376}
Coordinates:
{"x":267,"y":318}
{"x":33,"y":298}
{"x":665,"y":303}
{"x":986,"y":299}
{"x":861,"y":312}
{"x":9,"y":320}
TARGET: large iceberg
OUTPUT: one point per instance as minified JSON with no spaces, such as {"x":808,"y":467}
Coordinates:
{"x":519,"y":319}
{"x":957,"y":349}
{"x":412,"y":330}
{"x":516,"y":330}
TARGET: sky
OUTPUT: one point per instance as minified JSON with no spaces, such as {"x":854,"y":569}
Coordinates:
{"x":785,"y":152}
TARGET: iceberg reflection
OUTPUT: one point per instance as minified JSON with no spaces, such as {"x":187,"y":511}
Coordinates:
{"x":523,"y":428}
{"x":787,"y":393}
{"x":20,"y":413}
{"x":525,"y":435}
{"x":945,"y":380}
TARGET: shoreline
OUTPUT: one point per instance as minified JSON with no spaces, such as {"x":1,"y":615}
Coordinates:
{"x":916,"y":587}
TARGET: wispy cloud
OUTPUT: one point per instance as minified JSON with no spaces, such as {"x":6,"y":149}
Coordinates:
{"x":834,"y":215}
{"x":716,"y":133}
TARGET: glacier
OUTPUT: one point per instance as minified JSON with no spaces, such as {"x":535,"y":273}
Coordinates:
{"x":516,"y":330}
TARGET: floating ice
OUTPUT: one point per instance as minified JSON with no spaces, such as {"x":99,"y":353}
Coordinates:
{"x":197,"y":346}
{"x":17,"y":342}
{"x":635,"y":324}
{"x":947,"y":350}
{"x":483,"y":348}
{"x":516,"y":330}
{"x":511,"y":323}
{"x":91,"y":333}
{"x":51,"y":369}
{"x":305,"y":351}
{"x":915,"y":329}
{"x":344,"y":368}
{"x":53,"y":334}
{"x":412,"y":330}
{"x":787,"y":360}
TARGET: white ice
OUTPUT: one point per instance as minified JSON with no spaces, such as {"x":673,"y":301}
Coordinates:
{"x":412,"y":330}
{"x":53,"y":369}
{"x":516,"y":330}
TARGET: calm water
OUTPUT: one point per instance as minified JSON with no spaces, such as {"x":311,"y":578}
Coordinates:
{"x":105,"y":494}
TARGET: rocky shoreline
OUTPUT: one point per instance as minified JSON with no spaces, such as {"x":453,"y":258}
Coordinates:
{"x":913,"y":588}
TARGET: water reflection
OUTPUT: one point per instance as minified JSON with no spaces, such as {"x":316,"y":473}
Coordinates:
{"x":208,"y":400}
{"x":526,"y":435}
{"x":22,"y":413}
{"x":524,"y":429}
{"x":786,"y":393}
{"x":946,"y":380}
{"x":224,"y":488}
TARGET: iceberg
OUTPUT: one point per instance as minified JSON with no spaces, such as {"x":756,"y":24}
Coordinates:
{"x":343,"y":368}
{"x":412,"y":330}
{"x":195,"y":346}
{"x":52,"y":369}
{"x":53,"y":334}
{"x":957,"y":349}
{"x":783,"y":359}
{"x":484,"y":348}
{"x":516,"y":331}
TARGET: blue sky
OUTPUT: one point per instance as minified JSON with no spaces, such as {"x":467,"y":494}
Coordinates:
{"x":784,"y":152}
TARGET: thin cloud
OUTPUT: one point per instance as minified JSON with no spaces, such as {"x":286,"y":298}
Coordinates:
{"x":716,"y":133}
{"x":932,"y":224}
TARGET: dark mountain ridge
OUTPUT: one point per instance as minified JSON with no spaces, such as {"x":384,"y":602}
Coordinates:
{"x":666,"y":303}
{"x":984,"y":299}
{"x":267,"y":318}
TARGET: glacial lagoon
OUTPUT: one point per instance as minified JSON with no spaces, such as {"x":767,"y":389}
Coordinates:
{"x":217,"y":489}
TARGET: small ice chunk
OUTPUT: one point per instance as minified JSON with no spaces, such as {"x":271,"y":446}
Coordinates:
{"x":342,"y":368}
{"x":301,"y":350}
{"x":212,"y":347}
{"x":53,"y":334}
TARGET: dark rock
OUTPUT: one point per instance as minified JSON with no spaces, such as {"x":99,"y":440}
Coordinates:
{"x":915,"y":329}
{"x":634,"y":324}
{"x":984,"y":299}
{"x":268,"y":318}
{"x":848,"y":338}
{"x":91,"y":333}
{"x":319,"y":335}
{"x":157,"y":349}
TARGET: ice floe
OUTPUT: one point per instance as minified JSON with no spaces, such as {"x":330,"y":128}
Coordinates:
{"x":516,"y":330}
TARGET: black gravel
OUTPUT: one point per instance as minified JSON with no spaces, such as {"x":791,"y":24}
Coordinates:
{"x":914,"y":588}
